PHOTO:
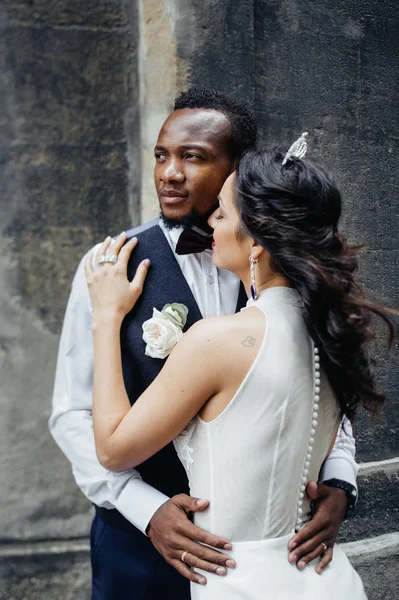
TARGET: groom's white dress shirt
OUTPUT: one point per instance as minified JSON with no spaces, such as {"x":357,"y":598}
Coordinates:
{"x":215,"y":292}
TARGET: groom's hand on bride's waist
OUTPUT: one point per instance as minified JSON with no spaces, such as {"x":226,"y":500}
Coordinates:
{"x":317,"y":538}
{"x":181,"y":543}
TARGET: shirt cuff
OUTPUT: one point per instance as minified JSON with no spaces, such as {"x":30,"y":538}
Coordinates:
{"x":339,"y":468}
{"x":138,"y":502}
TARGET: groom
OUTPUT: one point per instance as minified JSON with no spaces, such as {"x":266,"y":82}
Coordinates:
{"x":141,"y":530}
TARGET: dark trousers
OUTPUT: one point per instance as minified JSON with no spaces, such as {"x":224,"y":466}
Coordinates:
{"x":126,"y":566}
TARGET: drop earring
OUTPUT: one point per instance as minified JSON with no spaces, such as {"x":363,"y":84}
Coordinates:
{"x":252,"y":262}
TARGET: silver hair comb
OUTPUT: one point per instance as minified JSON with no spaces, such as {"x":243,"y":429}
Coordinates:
{"x":298,"y":149}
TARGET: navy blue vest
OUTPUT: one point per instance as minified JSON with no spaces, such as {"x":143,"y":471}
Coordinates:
{"x":165,"y":284}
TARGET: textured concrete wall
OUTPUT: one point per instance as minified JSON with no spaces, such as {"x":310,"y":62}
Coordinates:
{"x":69,"y":174}
{"x":163,"y":73}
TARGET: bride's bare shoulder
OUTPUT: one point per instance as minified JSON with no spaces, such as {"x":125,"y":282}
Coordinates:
{"x":220,"y":332}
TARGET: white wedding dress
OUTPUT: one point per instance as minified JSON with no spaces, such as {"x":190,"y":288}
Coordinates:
{"x":253,"y":460}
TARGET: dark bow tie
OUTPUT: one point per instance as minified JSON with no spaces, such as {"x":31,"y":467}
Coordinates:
{"x":191,"y":242}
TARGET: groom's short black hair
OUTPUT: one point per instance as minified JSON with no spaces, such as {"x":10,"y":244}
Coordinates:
{"x":243,"y":128}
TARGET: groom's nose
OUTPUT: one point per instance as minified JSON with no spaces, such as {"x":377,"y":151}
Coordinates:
{"x":173,"y":171}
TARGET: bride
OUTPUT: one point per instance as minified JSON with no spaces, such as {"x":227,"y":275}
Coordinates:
{"x":252,"y":401}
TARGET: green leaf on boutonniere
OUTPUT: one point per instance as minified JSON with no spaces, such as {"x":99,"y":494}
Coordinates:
{"x":176,"y":312}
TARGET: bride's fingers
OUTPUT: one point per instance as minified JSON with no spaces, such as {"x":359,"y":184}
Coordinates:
{"x":88,"y":265}
{"x":126,"y":250}
{"x":117,"y":244}
{"x":137,"y":282}
{"x":104,"y":246}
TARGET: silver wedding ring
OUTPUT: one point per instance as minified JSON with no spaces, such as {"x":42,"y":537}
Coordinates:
{"x":183,"y":556}
{"x":105,"y":258}
{"x":111,"y":259}
{"x":324,"y":546}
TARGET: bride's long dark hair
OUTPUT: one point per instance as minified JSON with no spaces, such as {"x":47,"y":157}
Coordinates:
{"x":293,"y":212}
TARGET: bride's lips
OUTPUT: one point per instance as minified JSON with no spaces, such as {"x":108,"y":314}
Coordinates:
{"x":173,"y":196}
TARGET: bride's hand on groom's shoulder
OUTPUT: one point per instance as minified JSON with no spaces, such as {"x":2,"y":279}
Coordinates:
{"x":112,"y":295}
{"x":317,"y":538}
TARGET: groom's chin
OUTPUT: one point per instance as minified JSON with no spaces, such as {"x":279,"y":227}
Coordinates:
{"x":193,"y":219}
{"x":171,"y":223}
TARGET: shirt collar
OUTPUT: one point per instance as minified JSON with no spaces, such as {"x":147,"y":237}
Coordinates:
{"x":171,"y":234}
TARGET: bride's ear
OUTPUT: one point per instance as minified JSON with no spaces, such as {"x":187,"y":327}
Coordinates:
{"x":256,"y":250}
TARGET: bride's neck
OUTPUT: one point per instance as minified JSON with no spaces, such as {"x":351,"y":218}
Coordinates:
{"x":273,"y":280}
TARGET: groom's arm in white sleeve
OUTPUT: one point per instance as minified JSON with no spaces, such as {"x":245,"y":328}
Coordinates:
{"x":341,"y":463}
{"x":71,"y":421}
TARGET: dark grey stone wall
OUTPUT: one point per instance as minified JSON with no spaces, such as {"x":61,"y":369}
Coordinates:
{"x":70,"y":94}
{"x":223,"y":52}
{"x":331,"y":69}
{"x":47,"y":571}
{"x":69,"y":159}
{"x":377,"y":510}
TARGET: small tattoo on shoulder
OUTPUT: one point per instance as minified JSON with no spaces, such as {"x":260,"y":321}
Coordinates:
{"x":249,"y":342}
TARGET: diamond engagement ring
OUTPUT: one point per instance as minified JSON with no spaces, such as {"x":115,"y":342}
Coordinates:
{"x":104,"y":258}
{"x":325,"y":547}
{"x":111,"y":259}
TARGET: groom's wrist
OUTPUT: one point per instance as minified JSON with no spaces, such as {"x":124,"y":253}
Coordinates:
{"x":349,"y":490}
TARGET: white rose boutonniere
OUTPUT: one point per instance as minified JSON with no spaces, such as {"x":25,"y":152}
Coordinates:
{"x":162,"y":332}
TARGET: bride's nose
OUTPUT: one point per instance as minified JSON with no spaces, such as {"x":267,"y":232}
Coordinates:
{"x":212,"y":219}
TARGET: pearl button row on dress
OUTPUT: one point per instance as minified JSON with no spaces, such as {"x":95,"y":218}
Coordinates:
{"x":315,"y":416}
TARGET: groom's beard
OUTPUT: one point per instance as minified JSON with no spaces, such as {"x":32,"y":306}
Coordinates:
{"x":193,"y":219}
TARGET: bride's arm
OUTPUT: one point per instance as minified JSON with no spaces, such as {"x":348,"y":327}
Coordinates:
{"x":126,"y":436}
